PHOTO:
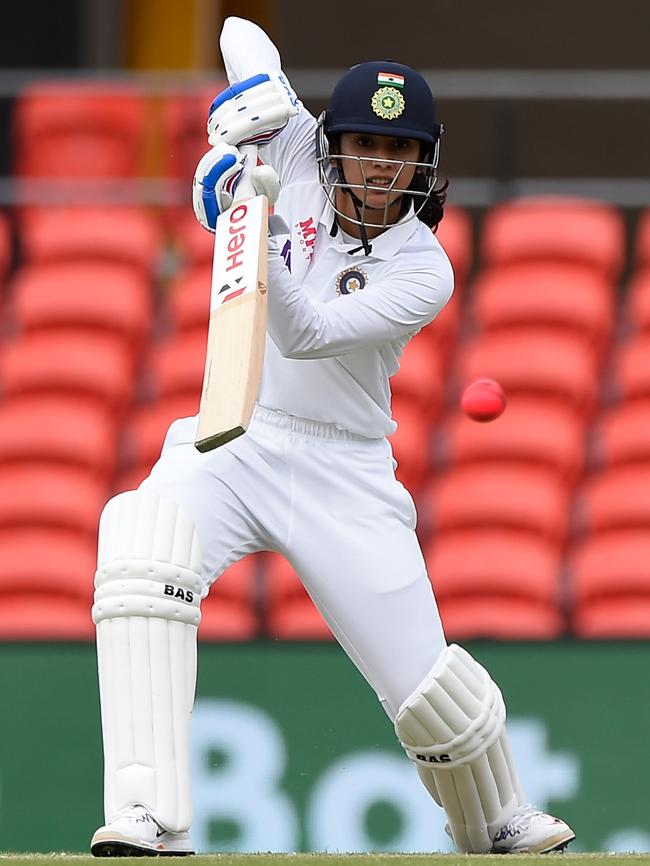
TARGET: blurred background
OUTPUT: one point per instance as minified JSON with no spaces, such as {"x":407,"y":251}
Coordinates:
{"x":535,"y":527}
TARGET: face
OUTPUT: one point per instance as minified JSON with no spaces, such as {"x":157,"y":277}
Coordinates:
{"x":380,"y":165}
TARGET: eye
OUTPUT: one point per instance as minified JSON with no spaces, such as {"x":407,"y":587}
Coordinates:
{"x":401,"y":143}
{"x":364,"y":141}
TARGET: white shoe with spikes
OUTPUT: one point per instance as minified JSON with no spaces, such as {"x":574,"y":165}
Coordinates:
{"x":530,"y":831}
{"x":135,"y":833}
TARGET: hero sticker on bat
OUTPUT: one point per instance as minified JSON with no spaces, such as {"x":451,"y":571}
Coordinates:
{"x":235,"y":267}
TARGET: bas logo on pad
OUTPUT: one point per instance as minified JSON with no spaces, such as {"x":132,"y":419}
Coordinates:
{"x":351,"y":280}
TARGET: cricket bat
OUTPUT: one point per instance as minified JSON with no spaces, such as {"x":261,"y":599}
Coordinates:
{"x":237,"y":329}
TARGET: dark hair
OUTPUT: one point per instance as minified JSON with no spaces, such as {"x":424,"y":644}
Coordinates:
{"x":433,"y":210}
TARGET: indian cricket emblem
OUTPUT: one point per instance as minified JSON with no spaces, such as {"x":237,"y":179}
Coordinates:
{"x":351,"y":280}
{"x":387,"y":102}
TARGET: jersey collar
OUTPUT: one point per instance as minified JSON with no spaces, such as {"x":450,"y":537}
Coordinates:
{"x":385,"y":246}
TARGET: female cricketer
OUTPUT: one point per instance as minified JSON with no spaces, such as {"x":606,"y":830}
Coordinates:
{"x":354,"y":272}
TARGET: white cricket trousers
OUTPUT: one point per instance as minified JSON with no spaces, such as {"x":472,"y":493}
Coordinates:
{"x":328,"y":501}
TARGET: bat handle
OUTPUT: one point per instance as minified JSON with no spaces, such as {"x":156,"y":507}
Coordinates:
{"x":245,"y":187}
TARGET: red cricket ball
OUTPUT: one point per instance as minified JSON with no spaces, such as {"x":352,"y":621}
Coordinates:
{"x":483,"y":400}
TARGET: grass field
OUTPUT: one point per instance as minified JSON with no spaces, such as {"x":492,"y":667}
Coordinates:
{"x":345,"y":860}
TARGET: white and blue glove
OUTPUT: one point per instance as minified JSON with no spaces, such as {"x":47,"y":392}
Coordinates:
{"x":252,"y":111}
{"x":216,"y":179}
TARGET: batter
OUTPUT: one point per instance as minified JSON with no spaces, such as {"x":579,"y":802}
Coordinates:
{"x":354,"y":272}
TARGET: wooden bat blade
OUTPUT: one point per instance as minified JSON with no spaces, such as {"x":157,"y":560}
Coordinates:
{"x":237,"y":330}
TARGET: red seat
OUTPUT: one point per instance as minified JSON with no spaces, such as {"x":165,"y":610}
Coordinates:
{"x":617,"y":498}
{"x":185,"y":118}
{"x":290,"y":612}
{"x":47,"y":617}
{"x":419,"y":379}
{"x":72,"y":130}
{"x":499,"y":496}
{"x":411,"y":444}
{"x":631,"y":370}
{"x":534,"y":363}
{"x":494,"y":563}
{"x":74,"y":234}
{"x":58,"y":430}
{"x":195,"y":244}
{"x":610,"y":574}
{"x":89,"y":365}
{"x":230,"y":610}
{"x":567,"y":297}
{"x":621,"y":435}
{"x":45,"y":560}
{"x":637,"y":302}
{"x":96,"y":296}
{"x":144,"y":433}
{"x":188,"y":300}
{"x":455,"y":235}
{"x":642,"y":242}
{"x":42,"y":496}
{"x":557,"y":229}
{"x":471,"y":618}
{"x":528,"y":432}
{"x":46,"y":585}
{"x":177,"y":364}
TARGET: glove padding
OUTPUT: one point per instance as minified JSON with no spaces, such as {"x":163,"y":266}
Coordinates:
{"x":252,"y":111}
{"x":216,"y":178}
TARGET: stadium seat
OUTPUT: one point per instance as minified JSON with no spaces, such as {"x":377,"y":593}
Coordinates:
{"x":545,"y":365}
{"x":411,"y":444}
{"x":93,"y":366}
{"x":455,"y":235}
{"x":42,"y":496}
{"x":74,"y":234}
{"x":642,"y":241}
{"x":55,"y":429}
{"x":610,"y":583}
{"x":290,"y":612}
{"x":472,"y":618}
{"x":499,"y":496}
{"x":71,"y":130}
{"x":630,"y":368}
{"x":46,"y":586}
{"x":559,"y":296}
{"x":97,"y":296}
{"x":185,"y":119}
{"x":637,"y":302}
{"x":188,"y":299}
{"x":175,"y":365}
{"x":616,"y":498}
{"x":556,"y":229}
{"x":620,"y":436}
{"x":420,"y":379}
{"x":195,"y":245}
{"x":494,"y":563}
{"x":229,"y":613}
{"x":143,"y":435}
{"x":528,"y":432}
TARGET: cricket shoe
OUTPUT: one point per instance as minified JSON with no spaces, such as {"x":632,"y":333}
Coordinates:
{"x":135,"y":833}
{"x":530,"y":831}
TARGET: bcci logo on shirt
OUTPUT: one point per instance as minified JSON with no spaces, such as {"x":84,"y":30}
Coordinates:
{"x":351,"y":280}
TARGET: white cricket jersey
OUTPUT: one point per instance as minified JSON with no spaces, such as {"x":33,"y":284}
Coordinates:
{"x":338,"y":320}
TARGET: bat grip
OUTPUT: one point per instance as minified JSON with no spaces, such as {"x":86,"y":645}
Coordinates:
{"x":245,"y":187}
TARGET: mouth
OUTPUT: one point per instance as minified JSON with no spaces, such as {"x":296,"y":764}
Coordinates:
{"x":383,"y":182}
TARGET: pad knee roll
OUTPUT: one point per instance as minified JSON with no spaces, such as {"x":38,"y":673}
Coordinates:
{"x":147,"y":609}
{"x":453,"y":728}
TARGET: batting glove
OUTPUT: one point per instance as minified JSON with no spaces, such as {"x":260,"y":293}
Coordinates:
{"x":252,"y":111}
{"x":215,"y":182}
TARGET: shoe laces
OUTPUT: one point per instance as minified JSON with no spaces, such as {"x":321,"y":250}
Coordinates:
{"x":523,"y":816}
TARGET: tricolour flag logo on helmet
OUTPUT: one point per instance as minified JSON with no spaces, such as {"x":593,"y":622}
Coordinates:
{"x":390,"y":78}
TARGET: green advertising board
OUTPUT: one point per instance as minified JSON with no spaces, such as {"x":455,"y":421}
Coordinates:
{"x":292,"y":752}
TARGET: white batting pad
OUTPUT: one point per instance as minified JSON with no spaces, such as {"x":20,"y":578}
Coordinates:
{"x":147,"y":609}
{"x":453,"y":728}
